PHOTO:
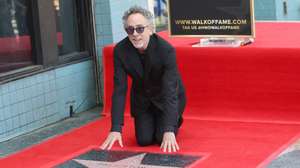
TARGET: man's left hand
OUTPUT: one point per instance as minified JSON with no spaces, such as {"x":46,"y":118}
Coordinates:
{"x":169,"y":142}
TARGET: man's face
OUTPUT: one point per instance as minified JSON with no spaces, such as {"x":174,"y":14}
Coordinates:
{"x":138,"y":30}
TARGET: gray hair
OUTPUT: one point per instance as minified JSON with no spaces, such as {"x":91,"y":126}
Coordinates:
{"x":137,"y":9}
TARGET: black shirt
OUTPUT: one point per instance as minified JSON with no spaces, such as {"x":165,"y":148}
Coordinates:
{"x":142,"y":59}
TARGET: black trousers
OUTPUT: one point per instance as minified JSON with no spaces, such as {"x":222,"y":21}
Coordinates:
{"x":148,"y":126}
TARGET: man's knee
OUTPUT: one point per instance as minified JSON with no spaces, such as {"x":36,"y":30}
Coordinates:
{"x":144,"y":141}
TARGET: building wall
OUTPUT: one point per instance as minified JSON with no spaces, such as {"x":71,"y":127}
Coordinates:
{"x":274,"y":10}
{"x":293,"y":10}
{"x":265,"y":9}
{"x":33,"y":102}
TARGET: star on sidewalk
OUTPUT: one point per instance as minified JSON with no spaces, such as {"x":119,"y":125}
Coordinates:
{"x":131,"y":162}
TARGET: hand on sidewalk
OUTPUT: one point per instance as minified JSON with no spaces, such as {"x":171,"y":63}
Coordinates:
{"x":169,"y":142}
{"x":110,"y":140}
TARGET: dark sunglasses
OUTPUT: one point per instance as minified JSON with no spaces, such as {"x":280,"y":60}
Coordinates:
{"x":138,"y":29}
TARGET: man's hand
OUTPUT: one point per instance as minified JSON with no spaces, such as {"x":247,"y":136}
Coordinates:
{"x":110,"y":140}
{"x":169,"y":142}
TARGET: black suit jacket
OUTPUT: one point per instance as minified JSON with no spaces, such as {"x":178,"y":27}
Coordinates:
{"x":158,"y":82}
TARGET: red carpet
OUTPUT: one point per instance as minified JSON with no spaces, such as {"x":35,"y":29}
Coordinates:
{"x":242,"y":104}
{"x":225,"y":144}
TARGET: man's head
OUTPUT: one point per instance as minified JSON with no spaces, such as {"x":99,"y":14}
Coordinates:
{"x":138,"y":23}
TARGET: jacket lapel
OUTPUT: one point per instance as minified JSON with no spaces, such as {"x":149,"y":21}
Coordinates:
{"x":150,"y":53}
{"x":134,"y":60}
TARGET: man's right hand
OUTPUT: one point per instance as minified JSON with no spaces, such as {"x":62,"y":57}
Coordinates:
{"x":110,"y":140}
